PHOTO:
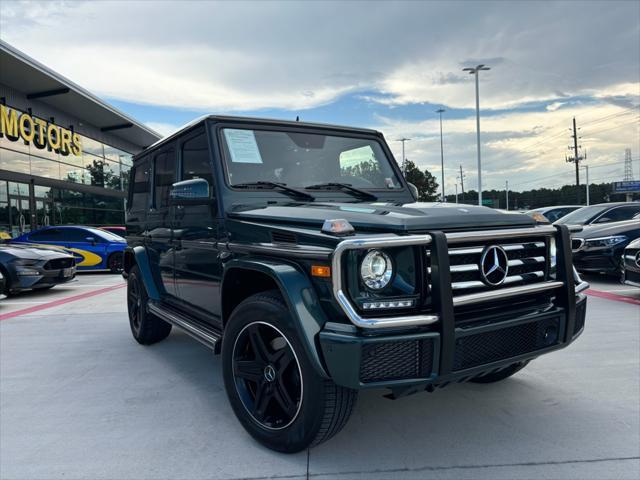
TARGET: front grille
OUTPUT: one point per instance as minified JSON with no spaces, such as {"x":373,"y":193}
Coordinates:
{"x":59,"y":263}
{"x":385,"y":361}
{"x":527,"y":263}
{"x":503,"y":343}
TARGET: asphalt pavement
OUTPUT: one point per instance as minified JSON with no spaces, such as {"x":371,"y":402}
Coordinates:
{"x":80,"y":399}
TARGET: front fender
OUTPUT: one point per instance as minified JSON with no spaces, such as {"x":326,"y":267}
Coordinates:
{"x":300,"y":297}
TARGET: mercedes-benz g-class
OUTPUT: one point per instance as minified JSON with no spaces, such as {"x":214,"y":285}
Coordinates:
{"x":299,"y":253}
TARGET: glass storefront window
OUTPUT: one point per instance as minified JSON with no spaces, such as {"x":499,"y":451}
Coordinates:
{"x":71,"y":173}
{"x":17,"y":145}
{"x":45,"y":168}
{"x":14,"y":161}
{"x":89,"y":145}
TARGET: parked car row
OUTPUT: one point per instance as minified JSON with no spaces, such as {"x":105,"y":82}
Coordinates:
{"x":49,"y":256}
{"x":606,"y":243}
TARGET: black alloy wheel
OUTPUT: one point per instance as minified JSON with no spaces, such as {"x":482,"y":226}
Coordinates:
{"x":134,"y":304}
{"x":276,"y":392}
{"x":146,"y":328}
{"x":267,"y":375}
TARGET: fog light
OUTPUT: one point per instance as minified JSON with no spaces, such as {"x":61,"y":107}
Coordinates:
{"x":387,"y":304}
{"x":27,"y":272}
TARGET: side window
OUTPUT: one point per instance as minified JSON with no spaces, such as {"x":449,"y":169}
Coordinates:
{"x":48,"y":235}
{"x":619,"y":214}
{"x":164,"y":177}
{"x":195,"y":159}
{"x":74,"y":235}
{"x":140,"y":187}
{"x":629,"y":213}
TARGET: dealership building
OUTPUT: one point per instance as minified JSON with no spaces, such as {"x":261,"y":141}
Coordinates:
{"x":65,"y":154}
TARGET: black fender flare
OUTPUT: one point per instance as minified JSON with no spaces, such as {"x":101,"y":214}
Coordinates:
{"x":141,"y":257}
{"x":300,"y":297}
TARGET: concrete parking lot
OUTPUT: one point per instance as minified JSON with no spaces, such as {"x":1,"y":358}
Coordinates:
{"x":79,"y":398}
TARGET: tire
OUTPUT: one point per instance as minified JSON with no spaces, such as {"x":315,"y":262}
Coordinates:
{"x":501,"y":375}
{"x":115,"y":262}
{"x":146,"y":328}
{"x":299,"y":408}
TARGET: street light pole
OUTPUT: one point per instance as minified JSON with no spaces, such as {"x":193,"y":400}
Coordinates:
{"x":506,"y":185}
{"x":440,"y":111}
{"x":403,"y":165}
{"x":474,"y":71}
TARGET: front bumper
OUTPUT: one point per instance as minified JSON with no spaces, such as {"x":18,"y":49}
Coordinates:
{"x":597,"y":261}
{"x":472,"y":334}
{"x":356,"y":360}
{"x":631,"y":267}
{"x":41,"y":278}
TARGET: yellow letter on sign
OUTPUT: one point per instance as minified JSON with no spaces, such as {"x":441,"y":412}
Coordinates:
{"x":8,"y":122}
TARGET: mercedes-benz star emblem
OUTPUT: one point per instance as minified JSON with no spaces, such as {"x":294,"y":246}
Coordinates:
{"x":494,"y":265}
{"x":638,"y":259}
{"x":269,"y":373}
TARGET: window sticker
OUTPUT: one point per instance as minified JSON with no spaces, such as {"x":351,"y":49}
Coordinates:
{"x":242,"y":146}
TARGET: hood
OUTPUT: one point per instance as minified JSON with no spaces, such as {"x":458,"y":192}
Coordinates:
{"x":31,"y":253}
{"x":383,"y":217}
{"x":614,"y":228}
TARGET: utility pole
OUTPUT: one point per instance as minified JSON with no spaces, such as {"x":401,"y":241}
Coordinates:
{"x":576,"y":159}
{"x":462,"y":175}
{"x":506,"y":186}
{"x":474,"y":71}
{"x":441,"y":111}
{"x":456,"y":193}
{"x":403,"y":165}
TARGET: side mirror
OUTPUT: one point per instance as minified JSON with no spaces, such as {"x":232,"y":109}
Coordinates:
{"x":603,"y":220}
{"x":91,"y":240}
{"x":190,"y":192}
{"x":414,"y":191}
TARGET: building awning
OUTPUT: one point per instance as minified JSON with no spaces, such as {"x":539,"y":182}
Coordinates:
{"x":24,"y":74}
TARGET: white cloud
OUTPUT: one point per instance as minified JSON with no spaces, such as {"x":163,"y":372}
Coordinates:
{"x":251,"y":55}
{"x":520,"y":146}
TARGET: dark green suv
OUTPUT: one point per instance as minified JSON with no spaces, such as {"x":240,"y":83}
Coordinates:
{"x":299,"y":253}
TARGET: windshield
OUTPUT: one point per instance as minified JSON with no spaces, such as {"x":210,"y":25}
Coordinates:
{"x":582,"y":215}
{"x":304,"y":159}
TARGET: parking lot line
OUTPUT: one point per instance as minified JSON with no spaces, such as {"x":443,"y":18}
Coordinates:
{"x":613,"y":296}
{"x":62,"y":301}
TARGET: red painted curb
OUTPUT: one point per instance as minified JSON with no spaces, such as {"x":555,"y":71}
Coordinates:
{"x":613,"y":296}
{"x":61,"y":301}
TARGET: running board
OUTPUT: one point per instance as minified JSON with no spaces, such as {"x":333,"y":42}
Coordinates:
{"x":206,"y":336}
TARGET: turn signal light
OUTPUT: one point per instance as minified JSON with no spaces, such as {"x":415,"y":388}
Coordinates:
{"x":321,"y":271}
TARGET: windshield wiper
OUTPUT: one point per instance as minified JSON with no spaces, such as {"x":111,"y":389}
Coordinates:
{"x":343,"y":186}
{"x":280,"y":186}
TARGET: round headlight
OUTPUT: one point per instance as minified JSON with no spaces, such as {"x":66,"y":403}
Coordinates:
{"x":376,"y":269}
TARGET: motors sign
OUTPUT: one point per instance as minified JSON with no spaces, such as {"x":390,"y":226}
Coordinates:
{"x":629,"y":186}
{"x":17,"y":125}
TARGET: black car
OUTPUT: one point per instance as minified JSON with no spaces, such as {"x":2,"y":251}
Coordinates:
{"x":599,"y":248}
{"x":299,"y":253}
{"x":631,"y":264}
{"x":31,"y":268}
{"x":602,"y":213}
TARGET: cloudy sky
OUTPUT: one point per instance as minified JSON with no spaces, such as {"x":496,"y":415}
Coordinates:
{"x":386,"y":65}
